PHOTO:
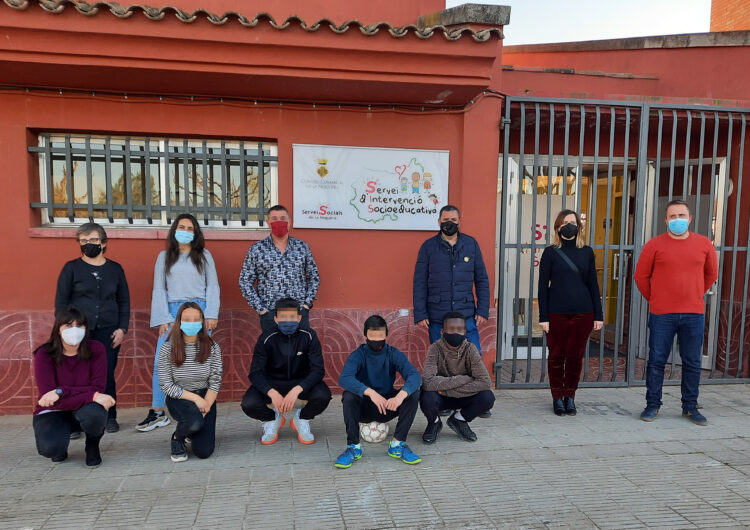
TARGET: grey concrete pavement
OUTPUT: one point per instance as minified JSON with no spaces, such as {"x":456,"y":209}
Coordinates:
{"x":530,"y":469}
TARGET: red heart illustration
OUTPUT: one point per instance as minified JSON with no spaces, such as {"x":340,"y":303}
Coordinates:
{"x":400,"y":169}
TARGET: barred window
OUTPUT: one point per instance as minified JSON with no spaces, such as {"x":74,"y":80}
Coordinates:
{"x":149,"y":181}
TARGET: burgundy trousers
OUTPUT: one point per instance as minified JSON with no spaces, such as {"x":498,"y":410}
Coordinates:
{"x":567,"y":338}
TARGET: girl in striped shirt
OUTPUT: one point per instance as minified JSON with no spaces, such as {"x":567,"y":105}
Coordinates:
{"x":190,"y":373}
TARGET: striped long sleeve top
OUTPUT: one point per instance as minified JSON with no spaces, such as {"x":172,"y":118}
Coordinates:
{"x":191,"y":375}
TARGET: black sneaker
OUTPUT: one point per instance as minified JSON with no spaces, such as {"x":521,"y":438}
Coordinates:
{"x":75,"y":435}
{"x":112,"y":425}
{"x":93,"y":456}
{"x":445,"y":412}
{"x":461,"y":428}
{"x":179,"y":451}
{"x":432,"y":431}
{"x":60,"y":458}
{"x":486,"y":415}
{"x":153,"y":420}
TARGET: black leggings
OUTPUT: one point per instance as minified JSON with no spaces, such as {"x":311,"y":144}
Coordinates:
{"x":52,"y":429}
{"x":104,"y":335}
{"x":191,"y":423}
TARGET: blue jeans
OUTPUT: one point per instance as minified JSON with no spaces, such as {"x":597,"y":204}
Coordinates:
{"x":157,"y":399}
{"x":472,"y":333}
{"x":689,"y":328}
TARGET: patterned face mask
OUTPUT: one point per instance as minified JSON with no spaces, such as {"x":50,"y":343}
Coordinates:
{"x":279,"y":228}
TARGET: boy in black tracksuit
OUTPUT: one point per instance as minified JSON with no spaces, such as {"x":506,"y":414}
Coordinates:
{"x":287,"y":366}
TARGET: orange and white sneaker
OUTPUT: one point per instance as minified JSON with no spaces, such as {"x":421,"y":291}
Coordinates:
{"x":271,"y":430}
{"x":304,"y":435}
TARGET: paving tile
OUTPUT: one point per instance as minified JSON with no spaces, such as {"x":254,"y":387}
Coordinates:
{"x":602,"y":469}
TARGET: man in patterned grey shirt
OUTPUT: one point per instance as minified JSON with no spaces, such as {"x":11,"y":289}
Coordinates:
{"x":283,"y":267}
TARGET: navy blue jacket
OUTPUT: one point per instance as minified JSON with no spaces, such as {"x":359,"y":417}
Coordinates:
{"x":445,"y":277}
{"x":377,"y":370}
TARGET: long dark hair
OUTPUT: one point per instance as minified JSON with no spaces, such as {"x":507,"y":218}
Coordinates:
{"x":54,"y":346}
{"x":205,"y":342}
{"x":196,"y":245}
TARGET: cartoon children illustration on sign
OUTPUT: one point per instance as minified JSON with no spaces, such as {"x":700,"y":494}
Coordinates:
{"x":415,"y":182}
{"x":427,"y":181}
{"x":434,"y":198}
{"x":404,"y":183}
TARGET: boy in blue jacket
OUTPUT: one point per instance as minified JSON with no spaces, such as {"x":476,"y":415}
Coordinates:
{"x":367,"y":379}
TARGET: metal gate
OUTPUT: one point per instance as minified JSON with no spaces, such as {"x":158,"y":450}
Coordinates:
{"x":618,"y":164}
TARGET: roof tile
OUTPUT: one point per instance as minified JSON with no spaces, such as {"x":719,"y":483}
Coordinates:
{"x":154,"y":13}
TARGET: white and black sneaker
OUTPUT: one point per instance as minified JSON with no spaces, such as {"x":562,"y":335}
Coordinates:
{"x":153,"y":420}
{"x":179,"y":451}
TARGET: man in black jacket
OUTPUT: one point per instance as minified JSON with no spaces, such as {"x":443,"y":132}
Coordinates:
{"x":449,"y":269}
{"x":287,"y":366}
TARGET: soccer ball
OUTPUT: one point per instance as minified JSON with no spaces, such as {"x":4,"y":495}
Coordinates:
{"x":373,"y":432}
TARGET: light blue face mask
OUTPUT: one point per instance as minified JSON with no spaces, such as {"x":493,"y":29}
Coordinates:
{"x":191,"y":329}
{"x":678,"y":226}
{"x":183,"y":237}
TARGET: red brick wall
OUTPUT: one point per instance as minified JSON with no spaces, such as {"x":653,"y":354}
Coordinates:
{"x":730,"y":15}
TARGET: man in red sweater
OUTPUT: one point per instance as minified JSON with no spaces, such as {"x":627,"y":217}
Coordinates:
{"x":673,"y":273}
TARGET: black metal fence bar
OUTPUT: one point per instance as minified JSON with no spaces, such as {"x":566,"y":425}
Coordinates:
{"x":128,"y":152}
{"x":261,"y":179}
{"x":70,"y":177}
{"x":723,"y":253}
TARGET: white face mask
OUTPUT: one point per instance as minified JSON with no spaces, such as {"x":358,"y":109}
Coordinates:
{"x":73,"y":336}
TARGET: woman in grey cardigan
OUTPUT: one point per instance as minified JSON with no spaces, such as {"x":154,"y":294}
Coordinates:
{"x":184,"y":272}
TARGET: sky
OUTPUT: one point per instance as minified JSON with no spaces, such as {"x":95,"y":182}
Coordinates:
{"x":538,"y":21}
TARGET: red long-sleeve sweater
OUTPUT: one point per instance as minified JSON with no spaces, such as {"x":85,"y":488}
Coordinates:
{"x":79,"y":380}
{"x":674,"y":274}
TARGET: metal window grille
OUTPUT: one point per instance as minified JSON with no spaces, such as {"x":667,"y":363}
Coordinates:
{"x":149,"y":181}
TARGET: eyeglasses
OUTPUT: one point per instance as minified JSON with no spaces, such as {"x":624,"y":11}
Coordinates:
{"x":93,"y":240}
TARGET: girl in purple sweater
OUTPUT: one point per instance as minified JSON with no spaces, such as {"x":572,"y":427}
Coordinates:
{"x":71,"y":373}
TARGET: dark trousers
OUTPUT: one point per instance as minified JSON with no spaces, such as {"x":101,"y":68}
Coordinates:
{"x":104,"y":335}
{"x":255,"y":402}
{"x":52,"y":429}
{"x":689,"y":328}
{"x":361,"y":410}
{"x":567,"y":339}
{"x":267,"y":322}
{"x":191,"y":423}
{"x":432,"y":403}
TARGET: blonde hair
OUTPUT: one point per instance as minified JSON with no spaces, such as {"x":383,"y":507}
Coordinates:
{"x":580,"y":239}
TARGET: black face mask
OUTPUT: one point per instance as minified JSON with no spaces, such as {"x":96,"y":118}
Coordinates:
{"x":91,"y":250}
{"x":375,"y":345}
{"x":448,"y":228}
{"x":454,"y":339}
{"x":569,"y":231}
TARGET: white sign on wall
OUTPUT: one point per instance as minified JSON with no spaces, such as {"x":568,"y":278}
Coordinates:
{"x":368,"y":188}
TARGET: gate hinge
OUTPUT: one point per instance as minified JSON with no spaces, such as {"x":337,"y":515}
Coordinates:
{"x":504,"y":122}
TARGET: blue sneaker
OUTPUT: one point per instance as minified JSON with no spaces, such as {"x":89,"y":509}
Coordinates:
{"x":695,"y":416}
{"x":348,"y":457}
{"x":402,"y":452}
{"x":649,"y":413}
